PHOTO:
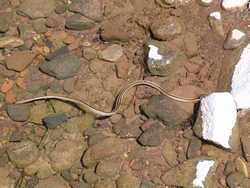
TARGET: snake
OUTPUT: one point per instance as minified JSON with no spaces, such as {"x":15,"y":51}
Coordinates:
{"x":119,"y":98}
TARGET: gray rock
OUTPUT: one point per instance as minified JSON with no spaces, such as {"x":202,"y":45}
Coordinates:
{"x":166,"y":29}
{"x":166,"y":110}
{"x":37,"y":9}
{"x":54,"y":120}
{"x":152,"y":136}
{"x":128,"y":180}
{"x":39,"y":25}
{"x":18,"y":112}
{"x":23,"y":153}
{"x":194,"y":148}
{"x":112,"y":53}
{"x":235,"y":180}
{"x":5,"y":20}
{"x":92,"y":9}
{"x":62,"y":67}
{"x":163,"y":61}
{"x":79,"y":23}
{"x":60,"y":51}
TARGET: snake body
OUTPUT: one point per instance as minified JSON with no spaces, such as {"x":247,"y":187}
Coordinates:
{"x":118,"y":101}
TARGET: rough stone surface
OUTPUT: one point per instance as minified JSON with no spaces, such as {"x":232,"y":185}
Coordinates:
{"x":128,"y":180}
{"x":66,"y":153}
{"x":173,"y":3}
{"x":18,"y":61}
{"x":164,"y":109}
{"x":18,"y":112}
{"x":235,"y":179}
{"x":38,"y":112}
{"x":5,"y":177}
{"x":167,"y":29}
{"x":54,"y":120}
{"x":23,"y":153}
{"x":10,"y":42}
{"x":53,"y":181}
{"x":107,"y":183}
{"x":62,"y":67}
{"x":108,"y":168}
{"x":112,"y":53}
{"x":216,"y":23}
{"x":235,"y":38}
{"x":79,"y":23}
{"x":37,"y":9}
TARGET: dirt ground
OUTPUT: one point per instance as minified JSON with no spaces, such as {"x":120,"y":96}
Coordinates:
{"x":89,"y":50}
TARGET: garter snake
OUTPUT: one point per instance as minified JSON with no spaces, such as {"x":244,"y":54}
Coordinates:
{"x":118,"y":101}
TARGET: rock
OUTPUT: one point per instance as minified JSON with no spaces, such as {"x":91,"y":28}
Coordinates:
{"x":167,"y":29}
{"x":90,"y":176}
{"x":6,"y":181}
{"x":37,"y":9}
{"x":41,"y":168}
{"x":53,"y":181}
{"x":68,"y":85}
{"x":166,"y":110}
{"x":209,"y":124}
{"x":23,"y":153}
{"x":5,"y":20}
{"x":26,"y":31}
{"x":39,"y":111}
{"x":61,"y":7}
{"x":245,"y":140}
{"x":191,"y":44}
{"x":107,"y":183}
{"x":152,"y":136}
{"x":235,"y":38}
{"x":58,"y":52}
{"x":206,"y":2}
{"x":173,"y":3}
{"x":18,"y":61}
{"x":235,"y":180}
{"x":122,"y":68}
{"x":108,"y":168}
{"x":39,"y":25}
{"x":92,"y":9}
{"x":114,"y":30}
{"x":89,"y":53}
{"x":194,"y":148}
{"x":169,"y":153}
{"x":163,"y":61}
{"x":18,"y":112}
{"x":216,"y":23}
{"x":113,"y":147}
{"x":54,"y":120}
{"x":127,"y":130}
{"x":197,"y":172}
{"x":79,"y":23}
{"x":128,"y":180}
{"x":10,"y":42}
{"x":79,"y":184}
{"x":234,"y":5}
{"x":62,"y":158}
{"x":62,"y":107}
{"x":147,"y":184}
{"x":112,"y":53}
{"x":62,"y":67}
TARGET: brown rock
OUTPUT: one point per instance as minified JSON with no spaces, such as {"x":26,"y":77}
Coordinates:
{"x":18,"y":61}
{"x":191,"y":44}
{"x":10,"y":42}
{"x":235,"y":38}
{"x":53,"y":181}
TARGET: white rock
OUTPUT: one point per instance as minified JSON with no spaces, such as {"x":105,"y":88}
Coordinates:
{"x":232,"y":4}
{"x":154,"y":52}
{"x":237,"y":34}
{"x":241,"y":80}
{"x":202,"y":170}
{"x":219,"y":114}
{"x":216,"y":15}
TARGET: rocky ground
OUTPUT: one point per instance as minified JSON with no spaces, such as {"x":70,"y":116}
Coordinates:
{"x":89,"y":50}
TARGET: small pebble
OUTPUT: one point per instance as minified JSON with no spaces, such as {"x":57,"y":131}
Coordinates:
{"x":18,"y":112}
{"x":54,"y":120}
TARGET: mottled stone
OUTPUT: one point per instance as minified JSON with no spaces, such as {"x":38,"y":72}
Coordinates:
{"x":108,"y":168}
{"x":54,"y":120}
{"x":18,"y":112}
{"x":79,"y":23}
{"x":38,"y":112}
{"x":112,"y":53}
{"x":10,"y":42}
{"x":128,"y":180}
{"x":53,"y":181}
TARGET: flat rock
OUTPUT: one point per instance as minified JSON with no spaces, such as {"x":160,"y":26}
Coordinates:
{"x":165,"y":110}
{"x":112,"y":53}
{"x":6,"y":181}
{"x":128,"y":180}
{"x":167,"y":29}
{"x":54,"y":120}
{"x":23,"y":153}
{"x":235,"y":38}
{"x":92,"y":9}
{"x":66,"y":153}
{"x":20,"y":60}
{"x":10,"y":42}
{"x":37,"y":9}
{"x":234,"y":5}
{"x":108,"y":168}
{"x":62,"y":67}
{"x":107,"y":183}
{"x":216,"y":23}
{"x":53,"y":181}
{"x":79,"y":23}
{"x":5,"y":20}
{"x":18,"y":112}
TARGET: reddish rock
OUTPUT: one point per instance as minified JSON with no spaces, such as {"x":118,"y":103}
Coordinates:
{"x":10,"y":97}
{"x":7,"y":85}
{"x":18,"y":61}
{"x":122,"y":68}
